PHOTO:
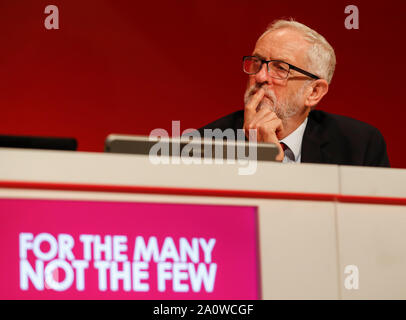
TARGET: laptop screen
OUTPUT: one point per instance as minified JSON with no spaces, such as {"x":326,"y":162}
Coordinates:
{"x":34,"y":142}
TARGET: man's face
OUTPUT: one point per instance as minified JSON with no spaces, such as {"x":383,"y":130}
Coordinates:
{"x":284,"y":97}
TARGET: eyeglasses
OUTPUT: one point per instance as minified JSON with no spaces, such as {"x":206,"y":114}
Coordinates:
{"x":277,"y":69}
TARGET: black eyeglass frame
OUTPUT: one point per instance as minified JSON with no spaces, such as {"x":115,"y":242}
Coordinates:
{"x":291,"y":66}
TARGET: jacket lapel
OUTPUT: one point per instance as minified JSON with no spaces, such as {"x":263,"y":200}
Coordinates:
{"x":314,"y":142}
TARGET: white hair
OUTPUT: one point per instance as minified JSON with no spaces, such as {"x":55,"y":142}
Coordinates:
{"x":321,"y":56}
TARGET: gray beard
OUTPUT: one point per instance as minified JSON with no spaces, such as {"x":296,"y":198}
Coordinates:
{"x":283,"y":109}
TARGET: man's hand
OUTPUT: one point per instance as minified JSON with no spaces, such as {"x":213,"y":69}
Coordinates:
{"x":264,"y":121}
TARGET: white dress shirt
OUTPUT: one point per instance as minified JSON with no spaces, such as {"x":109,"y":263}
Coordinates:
{"x":293,"y":152}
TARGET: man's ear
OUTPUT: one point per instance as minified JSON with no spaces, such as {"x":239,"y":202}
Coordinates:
{"x":315,"y":92}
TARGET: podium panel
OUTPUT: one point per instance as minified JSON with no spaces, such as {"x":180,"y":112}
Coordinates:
{"x":298,"y":250}
{"x":373,"y":237}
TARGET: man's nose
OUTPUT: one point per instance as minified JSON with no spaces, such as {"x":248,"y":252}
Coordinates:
{"x":262,"y":75}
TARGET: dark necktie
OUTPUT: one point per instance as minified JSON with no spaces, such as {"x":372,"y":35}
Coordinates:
{"x":284,"y":146}
{"x":288,"y":152}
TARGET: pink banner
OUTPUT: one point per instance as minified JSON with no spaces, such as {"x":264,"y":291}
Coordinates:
{"x":59,"y":249}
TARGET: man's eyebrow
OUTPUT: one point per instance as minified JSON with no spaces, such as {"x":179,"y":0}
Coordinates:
{"x":259,"y":56}
{"x":263,"y":58}
{"x":282,"y":59}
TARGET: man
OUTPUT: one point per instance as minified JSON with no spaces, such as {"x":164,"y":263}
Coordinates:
{"x":289,"y":72}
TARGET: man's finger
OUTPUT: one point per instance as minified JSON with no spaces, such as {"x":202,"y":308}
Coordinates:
{"x":258,"y":116}
{"x":261,"y":117}
{"x":251,"y":106}
{"x":270,"y":129}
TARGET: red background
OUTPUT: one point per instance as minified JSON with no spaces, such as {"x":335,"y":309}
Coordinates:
{"x":129,"y":67}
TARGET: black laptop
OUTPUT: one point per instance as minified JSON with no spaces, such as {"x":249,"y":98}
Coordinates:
{"x":141,"y":145}
{"x":35,"y":142}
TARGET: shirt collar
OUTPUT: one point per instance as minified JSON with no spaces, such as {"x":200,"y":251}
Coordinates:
{"x":294,"y":140}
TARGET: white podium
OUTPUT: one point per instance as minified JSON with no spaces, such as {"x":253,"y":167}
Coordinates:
{"x":315,"y":222}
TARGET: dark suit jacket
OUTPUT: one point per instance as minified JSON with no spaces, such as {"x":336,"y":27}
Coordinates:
{"x":329,"y":138}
